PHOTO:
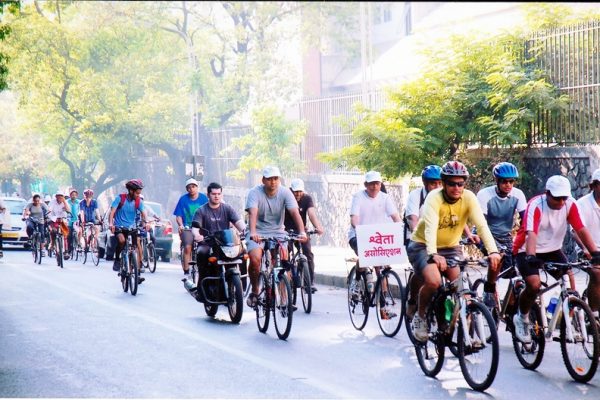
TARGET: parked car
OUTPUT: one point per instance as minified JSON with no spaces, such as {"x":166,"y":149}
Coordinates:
{"x":163,"y":233}
{"x":16,"y":235}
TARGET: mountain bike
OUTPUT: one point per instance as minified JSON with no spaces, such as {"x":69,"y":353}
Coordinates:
{"x":275,"y":293}
{"x":454,"y":307}
{"x":90,"y":243}
{"x":148,"y":251}
{"x":129,"y":271}
{"x":58,"y":240}
{"x":37,"y":240}
{"x":300,"y":271}
{"x":387,"y":296}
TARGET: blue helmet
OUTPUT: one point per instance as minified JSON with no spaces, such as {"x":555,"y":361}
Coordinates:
{"x":505,"y":170}
{"x":432,"y":172}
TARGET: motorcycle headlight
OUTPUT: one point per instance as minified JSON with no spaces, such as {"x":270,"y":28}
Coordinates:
{"x":231,"y":251}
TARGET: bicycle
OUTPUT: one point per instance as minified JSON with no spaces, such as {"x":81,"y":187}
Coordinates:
{"x":579,"y":335}
{"x":300,"y":271}
{"x":275,"y":292}
{"x":455,"y":307}
{"x":148,"y":251}
{"x":387,"y":296}
{"x":129,"y":266}
{"x":90,"y":243}
{"x":37,"y":240}
{"x":58,"y":241}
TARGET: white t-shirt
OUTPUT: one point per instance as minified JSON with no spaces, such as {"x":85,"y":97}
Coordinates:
{"x":414,"y":205}
{"x":57,"y":210}
{"x":590,"y":215}
{"x":371,"y":210}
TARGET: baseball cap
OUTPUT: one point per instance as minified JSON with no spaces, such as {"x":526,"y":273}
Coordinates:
{"x":558,"y":186}
{"x":59,"y":193}
{"x":297,"y":185}
{"x":596,"y":175}
{"x":373,"y":176}
{"x":271,"y":171}
{"x":191,"y":181}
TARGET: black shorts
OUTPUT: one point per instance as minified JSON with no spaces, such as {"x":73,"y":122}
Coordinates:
{"x":526,"y":269}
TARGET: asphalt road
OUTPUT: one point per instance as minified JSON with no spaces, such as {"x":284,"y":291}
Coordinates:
{"x":72,"y":332}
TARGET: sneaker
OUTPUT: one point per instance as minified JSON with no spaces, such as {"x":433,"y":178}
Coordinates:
{"x":489,"y":300}
{"x":386,"y":314}
{"x":141,"y":279}
{"x":116,"y":266}
{"x":66,"y":256}
{"x":44,"y":253}
{"x":521,"y":328}
{"x":313,"y":289}
{"x":411,"y":310}
{"x":419,"y":328}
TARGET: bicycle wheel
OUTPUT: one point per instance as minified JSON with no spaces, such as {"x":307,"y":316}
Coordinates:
{"x":235,"y":303}
{"x":93,"y":249}
{"x":151,"y":257}
{"x":478,"y":357}
{"x":431,"y":353}
{"x":283,"y":312}
{"x":477,"y":287}
{"x":40,"y":247}
{"x":407,"y":318}
{"x":263,"y":305}
{"x":124,"y":274}
{"x":390,"y":304}
{"x":580,"y":347}
{"x":305,"y":289}
{"x":530,"y":355}
{"x":34,"y":245}
{"x":144,"y":261}
{"x":211,"y":309}
{"x":59,"y":251}
{"x":134,"y":272}
{"x":358,"y":300}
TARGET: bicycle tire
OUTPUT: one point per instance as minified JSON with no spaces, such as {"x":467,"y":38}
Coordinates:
{"x":93,"y":249}
{"x":580,"y":356}
{"x":530,"y":355}
{"x":407,"y":318}
{"x":482,"y":330}
{"x":40,"y":247}
{"x":59,"y":251}
{"x":263,"y":305}
{"x":393,"y":302}
{"x":235,"y":303}
{"x":358,"y":302}
{"x":477,"y":287}
{"x":151,"y":257}
{"x":306,"y":288}
{"x":124,"y":274}
{"x":430,"y":354}
{"x":135,"y":272}
{"x":34,"y":244}
{"x":283,"y":312}
{"x":211,"y":309}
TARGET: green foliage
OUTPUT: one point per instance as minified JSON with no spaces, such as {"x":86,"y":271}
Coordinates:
{"x":273,"y":141}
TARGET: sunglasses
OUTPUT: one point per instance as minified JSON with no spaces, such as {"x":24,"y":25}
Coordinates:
{"x":560,"y":198}
{"x":454,"y":184}
{"x":503,"y":181}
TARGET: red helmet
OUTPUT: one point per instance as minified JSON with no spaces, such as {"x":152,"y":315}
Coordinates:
{"x":88,"y":191}
{"x":134,"y":184}
{"x":454,"y":168}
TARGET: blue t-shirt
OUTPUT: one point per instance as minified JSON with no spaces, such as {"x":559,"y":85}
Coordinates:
{"x":74,"y":204}
{"x":125,"y":217}
{"x":88,"y":211}
{"x":186,"y":207}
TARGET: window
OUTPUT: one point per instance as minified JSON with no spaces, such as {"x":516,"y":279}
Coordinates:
{"x":377,"y":14}
{"x":407,"y":19}
{"x":387,"y":12}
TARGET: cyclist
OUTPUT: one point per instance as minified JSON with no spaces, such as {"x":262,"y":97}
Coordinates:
{"x":37,"y":212}
{"x":59,"y":208}
{"x":184,"y":212}
{"x":122,"y":215}
{"x":213,"y":216}
{"x":499,"y":204}
{"x":266,"y":204}
{"x":3,"y":215}
{"x":89,"y":212}
{"x":540,"y":239}
{"x":151,"y":216}
{"x":73,"y":220}
{"x":445,"y":214}
{"x":306,"y":206}
{"x":370,"y":207}
{"x":432,"y":179}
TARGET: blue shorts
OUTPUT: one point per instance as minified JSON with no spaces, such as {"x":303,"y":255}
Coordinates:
{"x":417,"y":255}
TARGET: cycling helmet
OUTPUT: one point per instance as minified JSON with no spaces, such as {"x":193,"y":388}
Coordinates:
{"x":88,"y":191}
{"x":191,"y":181}
{"x":505,"y":170}
{"x":454,"y":168}
{"x":432,"y":173}
{"x":134,"y":184}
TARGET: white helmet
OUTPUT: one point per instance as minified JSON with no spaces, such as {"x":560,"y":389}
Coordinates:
{"x":191,"y":181}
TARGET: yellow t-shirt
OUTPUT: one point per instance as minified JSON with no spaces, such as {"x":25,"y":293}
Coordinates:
{"x":442,"y":224}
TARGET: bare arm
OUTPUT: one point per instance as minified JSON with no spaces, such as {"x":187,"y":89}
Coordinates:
{"x":252,"y":219}
{"x":413,"y":220}
{"x":586,"y":238}
{"x":111,"y":219}
{"x":240,"y":225}
{"x":312,"y":216}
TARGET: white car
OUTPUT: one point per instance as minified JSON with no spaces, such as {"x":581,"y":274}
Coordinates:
{"x":16,"y":235}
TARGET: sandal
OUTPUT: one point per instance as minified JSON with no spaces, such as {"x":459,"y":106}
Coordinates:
{"x":252,"y":300}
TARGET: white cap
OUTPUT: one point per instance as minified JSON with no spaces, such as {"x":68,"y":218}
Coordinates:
{"x":191,"y":181}
{"x":596,"y":175}
{"x":297,"y":185}
{"x":59,"y":193}
{"x":47,"y":198}
{"x":271,"y":171}
{"x":558,"y":186}
{"x":373,"y":176}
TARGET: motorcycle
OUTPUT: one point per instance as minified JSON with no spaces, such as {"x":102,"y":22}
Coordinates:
{"x":220,"y":283}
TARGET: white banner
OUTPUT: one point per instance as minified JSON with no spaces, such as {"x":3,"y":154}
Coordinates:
{"x":380,"y":244}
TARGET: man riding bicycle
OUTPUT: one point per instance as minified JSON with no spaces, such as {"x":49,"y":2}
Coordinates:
{"x":266,"y":205}
{"x":370,"y":207}
{"x":499,"y":204}
{"x":121,"y":220}
{"x":59,"y":209}
{"x":184,"y":212}
{"x":540,"y":239}
{"x":74,"y":229}
{"x":89,"y":212}
{"x":35,"y":214}
{"x":445,"y":214}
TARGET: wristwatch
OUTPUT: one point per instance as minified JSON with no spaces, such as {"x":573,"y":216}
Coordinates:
{"x":430,"y":259}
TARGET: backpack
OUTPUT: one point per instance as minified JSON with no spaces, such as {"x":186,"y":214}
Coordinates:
{"x":124,"y":198}
{"x":405,"y":221}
